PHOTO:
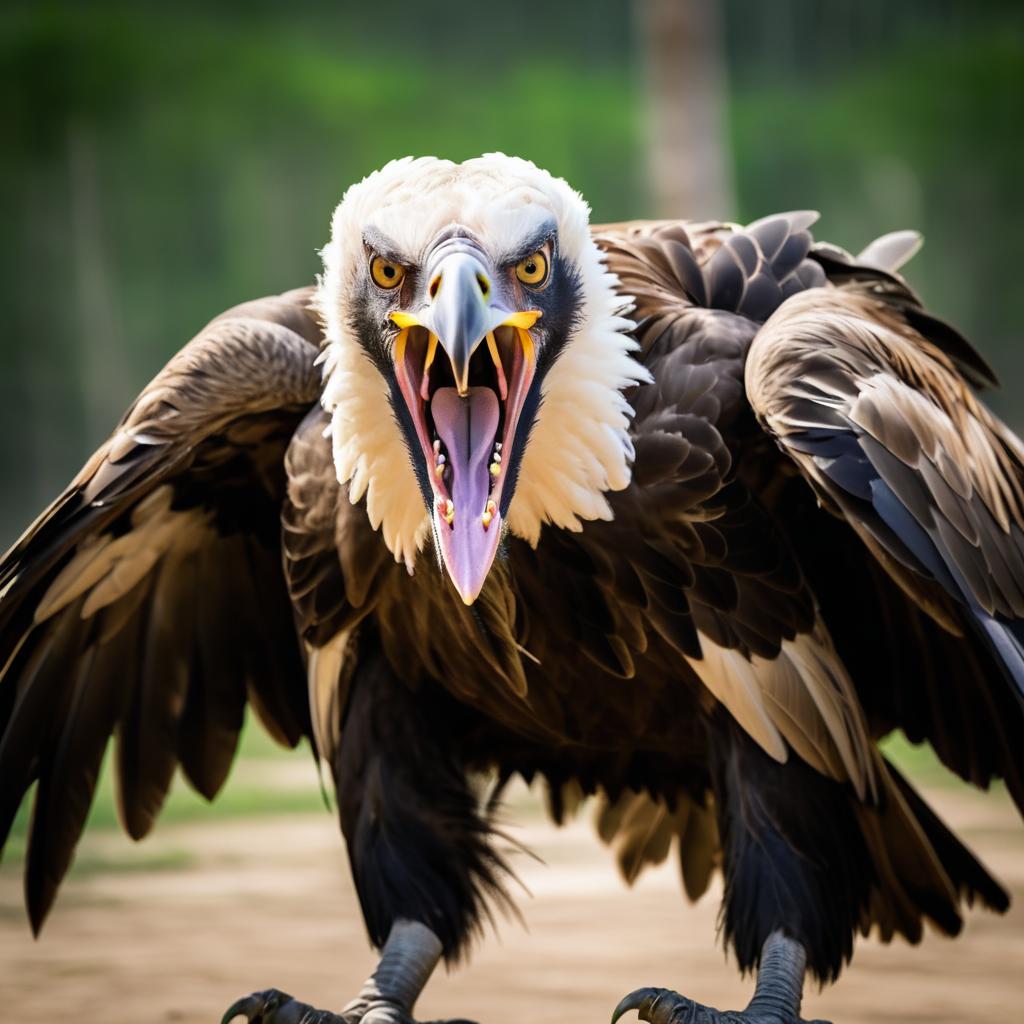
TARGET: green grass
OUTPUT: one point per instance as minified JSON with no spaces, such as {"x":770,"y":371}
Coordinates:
{"x":919,"y":763}
{"x":241,"y":796}
{"x":89,"y":862}
{"x":245,"y":796}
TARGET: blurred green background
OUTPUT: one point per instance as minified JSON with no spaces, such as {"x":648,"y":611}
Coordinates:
{"x":161,"y":162}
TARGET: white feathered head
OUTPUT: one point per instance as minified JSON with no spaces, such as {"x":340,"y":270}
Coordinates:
{"x":477,"y":358}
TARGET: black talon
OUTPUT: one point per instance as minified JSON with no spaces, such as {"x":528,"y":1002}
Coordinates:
{"x":663,"y":1006}
{"x":776,"y":1000}
{"x":640,"y":1000}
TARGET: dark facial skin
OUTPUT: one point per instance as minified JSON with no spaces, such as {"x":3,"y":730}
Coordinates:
{"x":559,"y":300}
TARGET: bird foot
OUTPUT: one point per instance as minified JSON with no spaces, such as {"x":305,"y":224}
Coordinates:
{"x":663,"y":1006}
{"x":274,"y":1007}
{"x":388,"y":997}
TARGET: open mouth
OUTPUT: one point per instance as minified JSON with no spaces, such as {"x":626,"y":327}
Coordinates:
{"x":466,"y":429}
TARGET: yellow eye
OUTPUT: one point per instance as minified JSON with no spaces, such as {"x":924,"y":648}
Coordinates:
{"x":533,"y":270}
{"x":386,"y":274}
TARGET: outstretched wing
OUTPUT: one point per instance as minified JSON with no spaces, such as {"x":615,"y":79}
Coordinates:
{"x":868,"y":398}
{"x":149,"y":601}
{"x":723,"y":574}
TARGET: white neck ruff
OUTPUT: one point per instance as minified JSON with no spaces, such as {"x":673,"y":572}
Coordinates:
{"x":579,"y":447}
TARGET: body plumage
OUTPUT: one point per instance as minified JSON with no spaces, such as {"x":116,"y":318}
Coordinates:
{"x":748,"y":517}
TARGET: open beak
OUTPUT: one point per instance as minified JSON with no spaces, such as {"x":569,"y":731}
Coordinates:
{"x":465,"y":401}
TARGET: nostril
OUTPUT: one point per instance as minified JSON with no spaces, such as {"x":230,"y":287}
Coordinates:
{"x":485,"y":285}
{"x":435,"y":287}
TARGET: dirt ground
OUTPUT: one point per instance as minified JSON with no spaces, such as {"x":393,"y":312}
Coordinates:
{"x":176,"y":929}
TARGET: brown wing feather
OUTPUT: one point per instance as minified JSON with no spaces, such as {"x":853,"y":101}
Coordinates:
{"x":641,"y":829}
{"x":335,"y":566}
{"x":148,"y":600}
{"x":835,"y":369}
{"x":880,"y":422}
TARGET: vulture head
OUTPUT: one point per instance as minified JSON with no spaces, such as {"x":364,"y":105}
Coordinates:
{"x":476,"y":360}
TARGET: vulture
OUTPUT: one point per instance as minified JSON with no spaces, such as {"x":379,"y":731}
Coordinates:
{"x":683,"y":516}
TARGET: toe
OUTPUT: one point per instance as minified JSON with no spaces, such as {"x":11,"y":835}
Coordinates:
{"x":663,"y":1006}
{"x":268,"y":1007}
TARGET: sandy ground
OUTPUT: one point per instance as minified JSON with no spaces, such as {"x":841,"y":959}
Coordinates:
{"x":246,"y":904}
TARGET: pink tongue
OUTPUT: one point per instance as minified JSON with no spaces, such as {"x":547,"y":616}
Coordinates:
{"x":467,"y":427}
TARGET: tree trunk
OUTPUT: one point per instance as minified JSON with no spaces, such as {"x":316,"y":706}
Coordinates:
{"x":682,"y":58}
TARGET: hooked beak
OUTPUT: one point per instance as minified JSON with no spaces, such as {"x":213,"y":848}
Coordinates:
{"x":459,"y":315}
{"x":465,"y":408}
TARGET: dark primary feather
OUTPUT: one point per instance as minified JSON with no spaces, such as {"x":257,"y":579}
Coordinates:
{"x":148,"y":601}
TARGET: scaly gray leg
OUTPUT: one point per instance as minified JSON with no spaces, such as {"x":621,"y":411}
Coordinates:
{"x":407,"y":960}
{"x":777,"y":994}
